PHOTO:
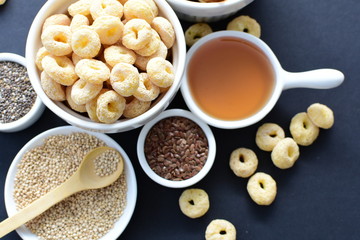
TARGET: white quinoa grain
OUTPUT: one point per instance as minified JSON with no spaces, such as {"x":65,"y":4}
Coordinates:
{"x":87,"y":215}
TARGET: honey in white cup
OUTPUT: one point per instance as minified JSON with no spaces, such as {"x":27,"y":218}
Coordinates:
{"x":233,"y":79}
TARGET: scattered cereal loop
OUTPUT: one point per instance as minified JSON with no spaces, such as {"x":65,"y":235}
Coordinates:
{"x":135,"y":108}
{"x":195,"y":32}
{"x":165,"y":29}
{"x":243,"y":162}
{"x":220,"y":229}
{"x":303,"y":130}
{"x":83,"y":91}
{"x":321,"y":115}
{"x":109,"y":28}
{"x":61,"y":69}
{"x":124,"y":79}
{"x":57,"y":40}
{"x":92,"y":71}
{"x":262,"y":188}
{"x":194,"y":202}
{"x":85,"y":43}
{"x":245,"y":24}
{"x":137,"y":33}
{"x":110,"y":106}
{"x":52,"y":89}
{"x":285,"y":153}
{"x":268,"y":135}
{"x":106,"y":8}
{"x":160,"y":72}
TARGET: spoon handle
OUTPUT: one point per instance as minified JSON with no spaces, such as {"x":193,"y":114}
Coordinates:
{"x":40,"y":205}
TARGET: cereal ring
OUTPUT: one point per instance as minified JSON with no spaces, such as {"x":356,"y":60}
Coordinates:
{"x":220,"y":229}
{"x":41,"y":53}
{"x":160,"y":72}
{"x":106,"y":8}
{"x":110,"y":106}
{"x":268,"y":135}
{"x":285,"y":153}
{"x":83,"y":91}
{"x":142,"y":9}
{"x":243,"y":162}
{"x":92,"y":104}
{"x":245,"y":24}
{"x":71,"y":103}
{"x":109,"y":28}
{"x":92,"y":71}
{"x":147,"y":91}
{"x":262,"y":188}
{"x":137,"y":33}
{"x":166,"y":31}
{"x":85,"y":42}
{"x":151,"y":47}
{"x":194,"y":202}
{"x":195,"y":32}
{"x":321,"y":115}
{"x":57,"y":40}
{"x":75,"y":58}
{"x":116,"y":54}
{"x":135,"y":108}
{"x":80,"y":7}
{"x":77,"y":21}
{"x":52,"y":89}
{"x":61,"y":69}
{"x":303,"y":130}
{"x":124,"y":79}
{"x":142,"y":61}
{"x":56,"y":19}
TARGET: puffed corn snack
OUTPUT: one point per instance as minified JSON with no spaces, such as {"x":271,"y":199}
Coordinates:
{"x":245,"y":24}
{"x":194,"y":202}
{"x":268,"y":135}
{"x":321,"y":115}
{"x":262,"y":188}
{"x":220,"y":229}
{"x":285,"y":153}
{"x":195,"y":32}
{"x":243,"y":162}
{"x":303,"y":130}
{"x":91,"y":57}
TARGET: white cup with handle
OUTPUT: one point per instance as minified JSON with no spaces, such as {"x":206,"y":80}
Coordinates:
{"x":317,"y":79}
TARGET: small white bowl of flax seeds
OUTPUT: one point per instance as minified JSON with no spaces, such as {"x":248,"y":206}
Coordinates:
{"x":48,"y":160}
{"x":20,"y":106}
{"x":176,"y":149}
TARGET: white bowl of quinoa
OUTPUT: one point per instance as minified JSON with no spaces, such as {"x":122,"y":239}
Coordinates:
{"x":20,"y":106}
{"x":48,"y":160}
{"x":176,"y":149}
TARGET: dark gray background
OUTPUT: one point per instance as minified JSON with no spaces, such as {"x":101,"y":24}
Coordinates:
{"x":317,"y":199}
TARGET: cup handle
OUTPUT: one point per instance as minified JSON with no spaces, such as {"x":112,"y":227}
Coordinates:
{"x":319,"y":79}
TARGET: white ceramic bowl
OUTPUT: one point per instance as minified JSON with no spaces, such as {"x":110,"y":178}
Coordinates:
{"x":206,"y":12}
{"x":34,"y":43}
{"x":169,"y":183}
{"x":119,"y":226}
{"x":35,"y":112}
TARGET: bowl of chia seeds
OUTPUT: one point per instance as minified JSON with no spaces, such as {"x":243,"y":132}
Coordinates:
{"x":51,"y":158}
{"x":20,"y":106}
{"x":176,"y":149}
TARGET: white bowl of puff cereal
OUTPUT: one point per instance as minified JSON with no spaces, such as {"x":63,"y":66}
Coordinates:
{"x":49,"y":159}
{"x":106,"y":65}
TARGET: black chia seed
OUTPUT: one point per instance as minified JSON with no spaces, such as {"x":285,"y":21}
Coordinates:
{"x":16,"y":93}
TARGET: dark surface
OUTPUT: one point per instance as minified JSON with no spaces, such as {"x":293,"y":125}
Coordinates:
{"x":317,"y":199}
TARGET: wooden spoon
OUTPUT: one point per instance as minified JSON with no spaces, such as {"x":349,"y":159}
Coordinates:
{"x":84,"y":178}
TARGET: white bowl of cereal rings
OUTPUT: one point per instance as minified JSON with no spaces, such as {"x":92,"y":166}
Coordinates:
{"x":48,"y":160}
{"x":176,"y":149}
{"x":207,"y":10}
{"x":20,"y":105}
{"x":106,"y":66}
